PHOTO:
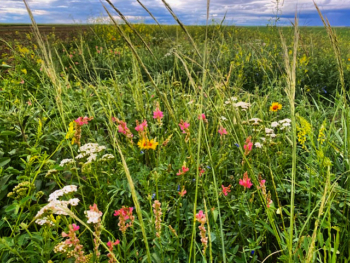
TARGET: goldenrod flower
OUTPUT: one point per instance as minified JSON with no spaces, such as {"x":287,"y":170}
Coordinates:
{"x":275,"y":106}
{"x":146,"y":144}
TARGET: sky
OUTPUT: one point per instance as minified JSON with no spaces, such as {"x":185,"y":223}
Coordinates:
{"x":190,"y":12}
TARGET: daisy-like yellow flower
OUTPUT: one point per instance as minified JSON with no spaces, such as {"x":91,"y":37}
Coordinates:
{"x":275,"y":106}
{"x":146,"y":144}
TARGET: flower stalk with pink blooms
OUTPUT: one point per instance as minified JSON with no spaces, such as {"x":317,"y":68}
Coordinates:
{"x":184,"y":126}
{"x":182,"y":192}
{"x":248,"y":145}
{"x":124,"y":214}
{"x":141,"y":128}
{"x":222,"y":131}
{"x":78,"y":123}
{"x":157,"y":210}
{"x":94,"y":216}
{"x":226,"y":190}
{"x":158,"y":114}
{"x":123,"y":128}
{"x":183,"y":169}
{"x":203,"y":117}
{"x":201,"y":218}
{"x":245,"y":182}
{"x":72,"y":246}
{"x":110,"y":255}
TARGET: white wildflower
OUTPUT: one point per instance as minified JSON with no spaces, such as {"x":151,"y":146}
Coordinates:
{"x":263,"y":139}
{"x":272,"y":135}
{"x":223,"y":118}
{"x":285,"y":121}
{"x":93,"y":217}
{"x":243,"y":105}
{"x":274,"y":124}
{"x":258,"y":145}
{"x":256,"y":121}
{"x":74,"y":201}
{"x":66,"y":161}
{"x":107,"y":156}
{"x":268,"y":130}
{"x":44,"y":221}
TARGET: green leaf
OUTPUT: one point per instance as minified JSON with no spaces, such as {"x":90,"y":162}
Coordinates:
{"x":4,"y":161}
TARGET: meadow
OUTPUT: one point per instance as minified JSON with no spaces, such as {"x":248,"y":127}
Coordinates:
{"x":173,"y":143}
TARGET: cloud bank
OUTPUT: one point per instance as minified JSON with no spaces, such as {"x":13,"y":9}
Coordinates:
{"x":238,"y":12}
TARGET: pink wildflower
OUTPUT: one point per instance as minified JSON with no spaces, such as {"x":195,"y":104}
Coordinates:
{"x":22,"y":81}
{"x":111,"y":244}
{"x":222,"y":131}
{"x":201,"y":171}
{"x":201,"y":117}
{"x":183,"y":192}
{"x":262,"y":183}
{"x":246,"y":183}
{"x":200,"y":216}
{"x":248,"y":145}
{"x":75,"y":227}
{"x":184,"y":170}
{"x":82,"y":120}
{"x":141,"y":127}
{"x":226,"y":190}
{"x":124,"y":214}
{"x":157,"y":114}
{"x":29,"y":103}
{"x":184,"y":126}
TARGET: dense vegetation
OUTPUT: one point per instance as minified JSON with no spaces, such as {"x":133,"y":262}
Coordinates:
{"x":219,"y":144}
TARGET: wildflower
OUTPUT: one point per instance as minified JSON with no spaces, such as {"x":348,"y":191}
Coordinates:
{"x":141,"y":127}
{"x":274,"y":124}
{"x":242,"y":105}
{"x":71,"y":130}
{"x":258,"y":145}
{"x":237,"y":145}
{"x":183,"y":169}
{"x":231,"y":100}
{"x":183,"y":192}
{"x":255,"y":121}
{"x":222,"y":131}
{"x":124,"y":213}
{"x":262,"y":182}
{"x":202,"y":117}
{"x":321,"y":136}
{"x":275,"y":106}
{"x":110,"y":244}
{"x":226,"y":190}
{"x":184,"y":126}
{"x":201,"y":171}
{"x":201,"y":218}
{"x":83,"y":120}
{"x":146,"y":144}
{"x":78,"y":123}
{"x":158,"y":217}
{"x":66,"y":161}
{"x":223,"y":118}
{"x":304,"y":128}
{"x":285,"y":121}
{"x":29,"y":103}
{"x":93,"y":215}
{"x":248,"y":145}
{"x":157,"y":114}
{"x":72,"y":244}
{"x":246,"y":183}
{"x":269,"y":131}
{"x":22,"y":81}
{"x":153,"y":195}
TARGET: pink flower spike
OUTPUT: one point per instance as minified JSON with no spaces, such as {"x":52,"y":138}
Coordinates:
{"x":113,"y":119}
{"x":183,"y":170}
{"x":262,"y":183}
{"x":246,"y":183}
{"x":201,"y":117}
{"x":157,"y":114}
{"x":184,"y":126}
{"x":22,"y":82}
{"x":222,"y":131}
{"x":226,"y":190}
{"x":81,"y":121}
{"x":75,"y":227}
{"x":200,"y":216}
{"x":142,"y":126}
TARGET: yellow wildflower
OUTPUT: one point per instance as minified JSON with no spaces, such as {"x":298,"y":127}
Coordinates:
{"x":71,"y":130}
{"x":303,"y":128}
{"x":146,"y":144}
{"x":275,"y":106}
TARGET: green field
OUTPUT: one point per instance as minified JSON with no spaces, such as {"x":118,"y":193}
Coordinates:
{"x":149,"y":143}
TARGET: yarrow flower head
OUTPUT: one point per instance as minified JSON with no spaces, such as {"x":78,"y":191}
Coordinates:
{"x":246,"y":183}
{"x":93,"y":215}
{"x":275,"y":106}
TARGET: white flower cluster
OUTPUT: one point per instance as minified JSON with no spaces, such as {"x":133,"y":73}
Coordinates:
{"x":107,"y":157}
{"x":270,"y":132}
{"x":256,"y":121}
{"x":92,"y":216}
{"x":44,"y":220}
{"x":66,"y":161}
{"x":90,"y":151}
{"x":242,"y":105}
{"x":231,"y":100}
{"x":56,"y":206}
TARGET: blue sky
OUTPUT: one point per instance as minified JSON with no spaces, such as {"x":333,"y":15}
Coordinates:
{"x":239,"y":12}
